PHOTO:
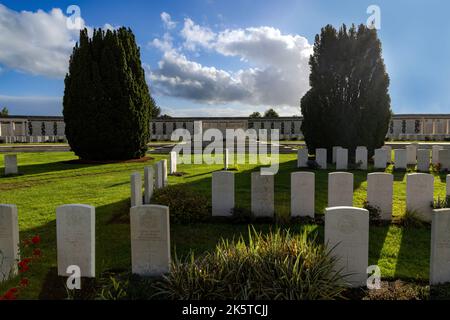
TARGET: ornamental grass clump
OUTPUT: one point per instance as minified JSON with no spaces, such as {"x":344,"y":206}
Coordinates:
{"x":276,"y":266}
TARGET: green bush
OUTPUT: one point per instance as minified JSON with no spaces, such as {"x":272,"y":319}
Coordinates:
{"x":411,"y":219}
{"x":186,"y":205}
{"x":276,"y":266}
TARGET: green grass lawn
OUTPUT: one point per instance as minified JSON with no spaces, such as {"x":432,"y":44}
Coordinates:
{"x":47,"y":181}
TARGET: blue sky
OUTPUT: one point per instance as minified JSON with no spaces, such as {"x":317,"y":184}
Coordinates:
{"x":211,"y":57}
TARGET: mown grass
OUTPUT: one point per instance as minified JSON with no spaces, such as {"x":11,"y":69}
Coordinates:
{"x":47,"y":180}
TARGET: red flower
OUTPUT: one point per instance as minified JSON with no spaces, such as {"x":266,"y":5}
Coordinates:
{"x":23,"y":265}
{"x":24,"y":282}
{"x":10,"y":294}
{"x":37,"y":252}
{"x":36,"y":239}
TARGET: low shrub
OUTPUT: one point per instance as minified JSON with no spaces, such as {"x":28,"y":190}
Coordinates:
{"x":441,"y":203}
{"x":411,"y":219}
{"x":374,"y":211}
{"x":241,"y":215}
{"x":313,"y":165}
{"x":275,"y":266}
{"x":186,"y":205}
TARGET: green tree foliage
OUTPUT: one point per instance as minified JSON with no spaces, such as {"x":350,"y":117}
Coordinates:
{"x":107,"y":104}
{"x":348,"y":104}
{"x":271,"y":114}
{"x":4,"y":112}
{"x":255,"y":115}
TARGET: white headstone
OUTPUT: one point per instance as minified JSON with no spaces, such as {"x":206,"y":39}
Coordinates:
{"x":380,"y":159}
{"x":419,"y":194}
{"x":149,"y":173}
{"x":302,"y":194}
{"x":262,"y":195}
{"x":400,"y":159}
{"x":164,"y":172}
{"x":11,"y":164}
{"x":361,"y":157}
{"x":222,"y":193}
{"x":447,"y":180}
{"x":321,"y":158}
{"x":435,"y":153}
{"x":334,"y":156}
{"x":411,"y":154}
{"x":9,"y":241}
{"x":340,"y":189}
{"x":302,"y":158}
{"x":440,"y":247}
{"x":136,"y":189}
{"x":347,"y":235}
{"x":423,"y":160}
{"x":75,"y":233}
{"x":226,"y":160}
{"x":380,"y":193}
{"x":388,"y":153}
{"x":444,"y":159}
{"x":150,"y":240}
{"x":341,"y":159}
{"x":173,"y":162}
{"x":159,"y":181}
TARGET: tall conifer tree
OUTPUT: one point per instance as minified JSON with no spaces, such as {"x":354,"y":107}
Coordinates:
{"x":107,"y":104}
{"x":348,"y":104}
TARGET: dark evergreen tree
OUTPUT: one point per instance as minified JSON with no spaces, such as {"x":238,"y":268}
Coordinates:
{"x":255,"y":115}
{"x":43,"y":131}
{"x":107,"y":104}
{"x":348,"y":104}
{"x":271,"y":114}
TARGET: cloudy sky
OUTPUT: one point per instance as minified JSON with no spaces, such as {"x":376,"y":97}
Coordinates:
{"x":222,"y":58}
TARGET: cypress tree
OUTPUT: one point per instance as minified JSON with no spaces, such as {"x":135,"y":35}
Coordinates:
{"x":348,"y":104}
{"x":107,"y":104}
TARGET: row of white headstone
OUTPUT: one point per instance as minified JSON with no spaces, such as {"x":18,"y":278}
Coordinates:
{"x":419,"y":193}
{"x":75,"y":233}
{"x":340,"y":157}
{"x":155,"y":177}
{"x":411,"y":155}
{"x":346,"y":234}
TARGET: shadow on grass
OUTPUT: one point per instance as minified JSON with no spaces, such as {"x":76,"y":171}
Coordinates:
{"x":49,"y":167}
{"x":413,"y":260}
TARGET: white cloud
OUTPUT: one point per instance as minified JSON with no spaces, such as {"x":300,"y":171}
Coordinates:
{"x":36,"y":42}
{"x":277,"y":73}
{"x":196,"y":35}
{"x":167,"y":20}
